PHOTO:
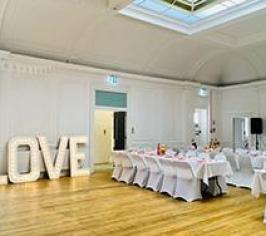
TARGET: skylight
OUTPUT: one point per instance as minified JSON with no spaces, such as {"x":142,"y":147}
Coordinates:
{"x":190,"y":16}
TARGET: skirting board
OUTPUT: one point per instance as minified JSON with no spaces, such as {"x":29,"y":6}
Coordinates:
{"x":3,"y":180}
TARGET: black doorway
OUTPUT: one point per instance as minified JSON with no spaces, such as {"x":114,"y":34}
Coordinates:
{"x":120,"y":130}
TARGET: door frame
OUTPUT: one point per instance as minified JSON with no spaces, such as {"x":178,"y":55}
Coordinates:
{"x":233,"y":115}
{"x":205,"y":142}
{"x":234,"y":130}
{"x":92,"y":117}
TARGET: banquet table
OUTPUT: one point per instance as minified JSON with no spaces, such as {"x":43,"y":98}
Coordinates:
{"x":210,"y":172}
{"x":202,"y":168}
{"x":211,"y":168}
{"x":259,"y":186}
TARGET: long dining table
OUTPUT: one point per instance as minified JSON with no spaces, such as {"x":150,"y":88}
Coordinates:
{"x":203,"y":168}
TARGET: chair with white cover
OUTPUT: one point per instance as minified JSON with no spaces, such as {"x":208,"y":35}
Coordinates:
{"x":220,"y":157}
{"x":257,"y":161}
{"x":191,"y":153}
{"x":264,"y":164}
{"x":188,"y":187}
{"x":242,"y":170}
{"x":142,"y":170}
{"x":169,"y":176}
{"x":246,"y":172}
{"x":213,"y":153}
{"x":128,"y":170}
{"x":117,"y":162}
{"x":232,"y":158}
{"x":204,"y":155}
{"x":155,"y":173}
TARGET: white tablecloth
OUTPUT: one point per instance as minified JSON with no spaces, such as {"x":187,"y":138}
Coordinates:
{"x":210,"y":169}
{"x":205,"y":169}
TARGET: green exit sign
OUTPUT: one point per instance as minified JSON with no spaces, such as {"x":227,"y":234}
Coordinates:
{"x":112,"y":80}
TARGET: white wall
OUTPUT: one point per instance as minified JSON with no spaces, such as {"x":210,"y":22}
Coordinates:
{"x":40,"y":103}
{"x":240,"y":101}
{"x":54,"y":99}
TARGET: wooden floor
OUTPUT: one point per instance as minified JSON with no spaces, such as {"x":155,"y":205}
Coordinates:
{"x":96,"y":205}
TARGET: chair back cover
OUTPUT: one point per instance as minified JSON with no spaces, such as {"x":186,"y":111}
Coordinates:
{"x":153,"y":164}
{"x":126,"y":160}
{"x":203,"y":155}
{"x":167,"y":166}
{"x":191,"y":153}
{"x":214,"y":153}
{"x":258,"y":161}
{"x":116,"y":158}
{"x":138,"y":161}
{"x":231,"y":157}
{"x":183,"y":170}
{"x":245,"y":161}
{"x":220,"y":157}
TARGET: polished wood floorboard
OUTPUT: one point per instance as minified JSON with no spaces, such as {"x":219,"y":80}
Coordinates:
{"x":97,"y":205}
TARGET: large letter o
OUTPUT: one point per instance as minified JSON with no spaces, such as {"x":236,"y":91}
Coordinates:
{"x":14,"y":175}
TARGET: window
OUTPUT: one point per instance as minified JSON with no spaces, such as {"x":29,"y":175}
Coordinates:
{"x":110,"y":99}
{"x":190,"y":16}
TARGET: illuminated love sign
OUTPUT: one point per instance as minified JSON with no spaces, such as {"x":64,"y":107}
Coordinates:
{"x":53,"y":168}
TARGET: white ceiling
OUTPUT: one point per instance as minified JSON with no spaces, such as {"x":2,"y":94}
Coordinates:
{"x":88,"y":32}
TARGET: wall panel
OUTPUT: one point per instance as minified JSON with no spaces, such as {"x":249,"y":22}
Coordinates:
{"x":39,"y":97}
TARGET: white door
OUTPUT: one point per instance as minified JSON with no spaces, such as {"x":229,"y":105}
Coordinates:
{"x":201,"y":126}
{"x":103,"y":136}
